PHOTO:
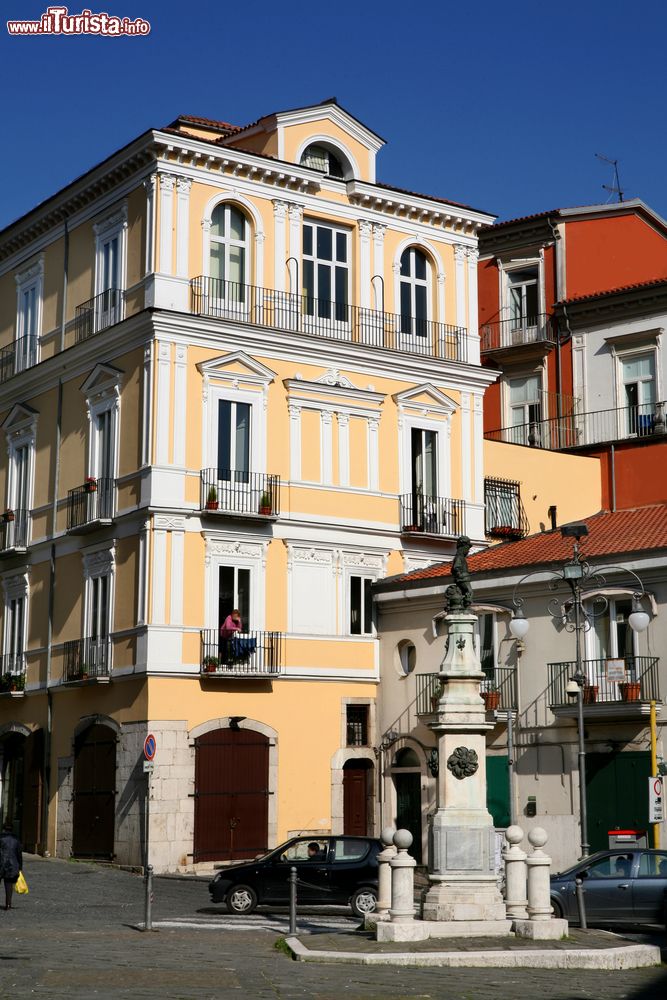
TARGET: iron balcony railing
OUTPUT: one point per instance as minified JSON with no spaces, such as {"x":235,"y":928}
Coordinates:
{"x":89,"y":657}
{"x":98,"y":313}
{"x":14,"y":529}
{"x":18,"y":356}
{"x":12,"y":672}
{"x":243,"y":654}
{"x":505,"y":333}
{"x":643,"y":421}
{"x":92,"y":502}
{"x":504,"y":514}
{"x":503,"y":681}
{"x":301,"y":313}
{"x":432,"y":515}
{"x":233,"y":492}
{"x":640,"y":681}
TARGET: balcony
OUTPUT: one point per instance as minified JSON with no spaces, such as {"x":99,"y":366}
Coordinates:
{"x":87,"y":659}
{"x":504,"y":514}
{"x":12,"y":674}
{"x":14,"y":531}
{"x":499,"y":692}
{"x":245,"y":654}
{"x":239,"y":494}
{"x":97,"y":314}
{"x":604,"y":697}
{"x":297,"y":313}
{"x":643,"y":422}
{"x":507,"y":334}
{"x":91,"y":506}
{"x":432,"y":515}
{"x":17,"y":357}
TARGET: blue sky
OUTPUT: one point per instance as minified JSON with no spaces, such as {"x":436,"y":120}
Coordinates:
{"x":502,"y":107}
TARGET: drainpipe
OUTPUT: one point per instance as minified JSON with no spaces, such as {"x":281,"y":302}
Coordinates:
{"x":63,"y":322}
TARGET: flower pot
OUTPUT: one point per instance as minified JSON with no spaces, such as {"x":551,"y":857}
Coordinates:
{"x":211,"y":505}
{"x":413,"y":527}
{"x":9,"y":515}
{"x":630,"y":691}
{"x":265,"y":510}
{"x":491,"y":700}
{"x":90,"y":487}
{"x":590,"y":694}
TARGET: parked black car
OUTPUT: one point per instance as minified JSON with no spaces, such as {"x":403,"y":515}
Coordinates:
{"x":623,"y":886}
{"x":330,"y":870}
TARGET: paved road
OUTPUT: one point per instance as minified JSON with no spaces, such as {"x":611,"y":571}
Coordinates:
{"x":75,"y":936}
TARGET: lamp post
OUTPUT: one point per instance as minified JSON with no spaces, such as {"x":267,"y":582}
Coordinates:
{"x":578,"y":619}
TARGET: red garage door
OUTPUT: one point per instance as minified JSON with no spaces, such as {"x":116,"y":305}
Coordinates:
{"x":231,"y":795}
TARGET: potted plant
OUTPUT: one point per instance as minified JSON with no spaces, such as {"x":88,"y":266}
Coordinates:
{"x":630,"y":691}
{"x":8,"y":515}
{"x":491,"y":698}
{"x":90,"y":484}
{"x":6,"y":682}
{"x":212,"y":498}
{"x":211,"y":664}
{"x":590,"y":694}
{"x":265,"y":506}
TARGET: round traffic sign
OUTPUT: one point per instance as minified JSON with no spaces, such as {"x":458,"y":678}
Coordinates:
{"x":657,"y":786}
{"x":150,"y":746}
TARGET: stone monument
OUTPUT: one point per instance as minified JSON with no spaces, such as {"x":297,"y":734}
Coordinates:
{"x":463,"y":896}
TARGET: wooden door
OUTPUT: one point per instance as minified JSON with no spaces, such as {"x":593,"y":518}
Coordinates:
{"x":94,"y":793}
{"x":231,"y":795}
{"x":355,"y":798}
{"x":616,"y":794}
{"x":409,"y":810}
{"x":33,"y":764}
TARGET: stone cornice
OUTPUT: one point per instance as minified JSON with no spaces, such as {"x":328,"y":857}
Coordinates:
{"x":417,"y":208}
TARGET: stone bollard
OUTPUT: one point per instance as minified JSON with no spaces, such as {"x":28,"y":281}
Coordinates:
{"x":541,"y":925}
{"x":539,"y":869}
{"x":384,"y":873}
{"x":402,"y":909}
{"x":515,"y":875}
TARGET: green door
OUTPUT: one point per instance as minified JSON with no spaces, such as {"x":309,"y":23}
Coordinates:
{"x":616,"y":794}
{"x":409,"y":810}
{"x":498,"y":789}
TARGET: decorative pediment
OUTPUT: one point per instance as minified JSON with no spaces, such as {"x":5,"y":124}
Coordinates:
{"x":333,"y":386}
{"x":334,"y":377}
{"x":425,"y":398}
{"x":237,"y":367}
{"x":20,"y":417}
{"x":104,"y":380}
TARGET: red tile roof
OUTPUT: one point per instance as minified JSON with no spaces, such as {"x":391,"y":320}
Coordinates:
{"x":212,"y":123}
{"x":636,"y":286}
{"x":637,"y":530}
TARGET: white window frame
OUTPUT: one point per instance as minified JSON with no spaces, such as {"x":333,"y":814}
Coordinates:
{"x":102,"y":393}
{"x":230,"y":551}
{"x":315,"y":319}
{"x":612,"y":635}
{"x":630,"y":354}
{"x":443,"y":453}
{"x":16,"y":587}
{"x":98,"y":562}
{"x":30,"y":279}
{"x":228,"y":241}
{"x":107,"y":229}
{"x":363,"y":577}
{"x":506,"y":269}
{"x":413,"y":282}
{"x":256,"y":458}
{"x":21,"y":430}
{"x":369,"y":565}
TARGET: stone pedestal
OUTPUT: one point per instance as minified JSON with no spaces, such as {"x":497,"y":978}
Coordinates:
{"x":463,"y":876}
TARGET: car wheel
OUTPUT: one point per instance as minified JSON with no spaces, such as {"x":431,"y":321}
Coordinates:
{"x":241,"y":899}
{"x":558,"y":909}
{"x":364,"y":901}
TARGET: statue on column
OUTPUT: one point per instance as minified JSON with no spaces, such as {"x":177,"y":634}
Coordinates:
{"x":459,"y":593}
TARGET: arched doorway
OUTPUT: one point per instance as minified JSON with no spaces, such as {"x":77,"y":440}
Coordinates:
{"x":94,"y":792}
{"x":231,"y":795}
{"x":406,"y":772}
{"x":22,"y":759}
{"x":356,"y":778}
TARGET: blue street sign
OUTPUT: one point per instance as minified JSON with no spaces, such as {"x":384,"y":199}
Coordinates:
{"x":150,"y":746}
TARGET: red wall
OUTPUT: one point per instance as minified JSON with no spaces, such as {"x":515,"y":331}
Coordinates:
{"x":607,"y":253}
{"x":640,"y":473}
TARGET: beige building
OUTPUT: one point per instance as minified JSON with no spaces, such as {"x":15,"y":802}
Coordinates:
{"x":236,"y":372}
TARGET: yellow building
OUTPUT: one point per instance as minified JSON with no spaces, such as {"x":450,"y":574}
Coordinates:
{"x":236,"y":372}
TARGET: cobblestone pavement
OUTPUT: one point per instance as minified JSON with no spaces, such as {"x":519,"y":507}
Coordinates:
{"x":75,"y":936}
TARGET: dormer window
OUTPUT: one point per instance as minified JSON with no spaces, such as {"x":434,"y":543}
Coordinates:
{"x":320,"y":158}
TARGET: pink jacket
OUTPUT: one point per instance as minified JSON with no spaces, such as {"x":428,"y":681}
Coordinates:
{"x":229,"y":627}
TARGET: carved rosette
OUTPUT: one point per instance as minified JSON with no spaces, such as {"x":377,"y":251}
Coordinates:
{"x":463,"y":763}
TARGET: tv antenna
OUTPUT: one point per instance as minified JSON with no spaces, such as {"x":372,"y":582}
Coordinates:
{"x":614,"y":188}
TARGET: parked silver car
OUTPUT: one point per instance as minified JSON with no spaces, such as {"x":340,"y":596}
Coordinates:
{"x":623,"y":886}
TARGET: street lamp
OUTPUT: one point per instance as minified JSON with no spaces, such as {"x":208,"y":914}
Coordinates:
{"x":576,"y":573}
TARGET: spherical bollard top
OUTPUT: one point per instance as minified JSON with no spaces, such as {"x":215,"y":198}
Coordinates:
{"x":387,"y":836}
{"x":402,"y":840}
{"x":514,"y":834}
{"x":538,"y":837}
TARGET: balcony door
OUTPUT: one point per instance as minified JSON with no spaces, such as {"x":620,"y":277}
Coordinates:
{"x":229,"y":254}
{"x":26,"y":346}
{"x":234,"y":593}
{"x":414,"y":293}
{"x":525,"y":409}
{"x":103,"y":465}
{"x":638,"y":375}
{"x":107,"y":310}
{"x":233,"y":455}
{"x":424,"y":474}
{"x":326,"y":276}
{"x":19,"y":496}
{"x":15,"y":635}
{"x":522,"y":294}
{"x":95,"y":656}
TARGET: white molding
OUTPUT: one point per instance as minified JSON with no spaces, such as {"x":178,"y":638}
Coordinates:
{"x":295,"y":212}
{"x":147,"y":405}
{"x":167,"y":184}
{"x":326,"y":446}
{"x":236,"y":197}
{"x":163,"y":402}
{"x":150,"y":184}
{"x":30,"y":276}
{"x":177,"y":575}
{"x":242,"y":552}
{"x":111,"y":225}
{"x":279,"y":247}
{"x":351,"y":167}
{"x":441,"y":402}
{"x":460,"y":254}
{"x":343,"y":421}
{"x":294,"y":410}
{"x":183,"y":185}
{"x":365,"y":229}
{"x":466,"y":448}
{"x":478,"y":446}
{"x":159,"y":577}
{"x":180,"y":402}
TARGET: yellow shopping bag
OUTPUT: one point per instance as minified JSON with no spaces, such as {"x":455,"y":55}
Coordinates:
{"x":21,"y":884}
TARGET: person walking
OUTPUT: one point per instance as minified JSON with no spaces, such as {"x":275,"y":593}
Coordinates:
{"x":11,"y":861}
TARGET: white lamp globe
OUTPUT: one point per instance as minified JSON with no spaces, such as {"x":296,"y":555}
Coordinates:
{"x":638,"y":620}
{"x":519,"y":625}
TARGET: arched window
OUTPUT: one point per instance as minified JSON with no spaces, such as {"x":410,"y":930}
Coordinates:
{"x":414,"y":292}
{"x":321,"y":158}
{"x":229,"y":252}
{"x":406,"y":758}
